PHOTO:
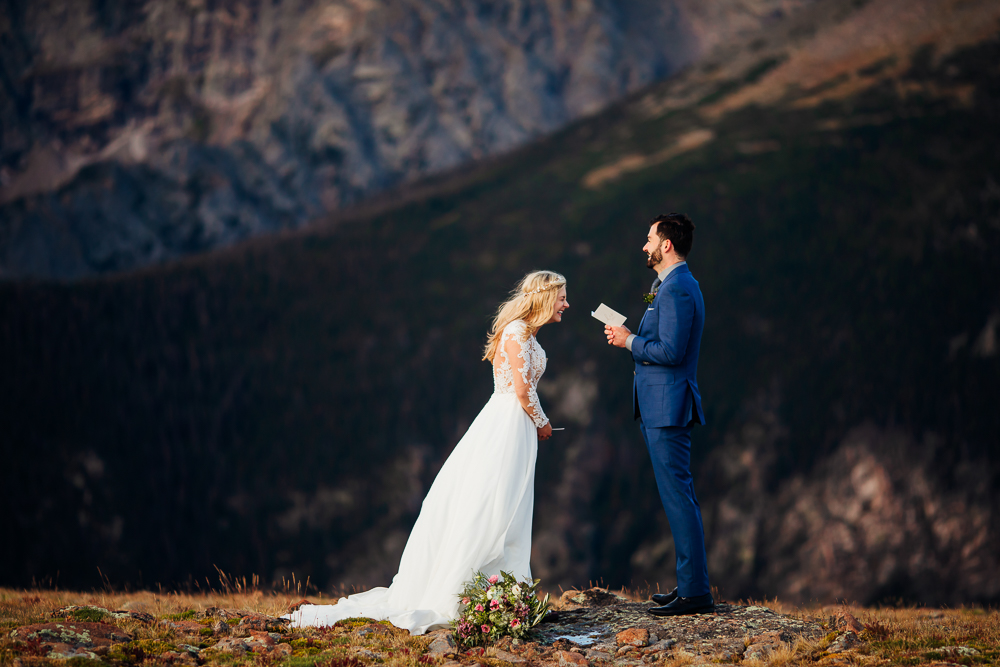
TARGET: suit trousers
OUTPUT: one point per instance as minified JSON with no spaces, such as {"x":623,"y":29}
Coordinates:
{"x":670,"y":451}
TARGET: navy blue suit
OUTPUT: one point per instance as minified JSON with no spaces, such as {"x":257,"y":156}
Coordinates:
{"x":667,"y":402}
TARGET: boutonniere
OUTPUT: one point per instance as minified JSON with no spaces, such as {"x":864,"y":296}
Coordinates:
{"x":648,"y":297}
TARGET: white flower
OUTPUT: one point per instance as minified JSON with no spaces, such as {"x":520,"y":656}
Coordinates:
{"x":490,"y":592}
{"x":516,"y":591}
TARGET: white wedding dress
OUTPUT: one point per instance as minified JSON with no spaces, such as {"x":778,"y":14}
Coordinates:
{"x":477,"y":513}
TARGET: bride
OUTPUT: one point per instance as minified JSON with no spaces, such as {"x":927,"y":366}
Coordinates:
{"x":477,"y":513}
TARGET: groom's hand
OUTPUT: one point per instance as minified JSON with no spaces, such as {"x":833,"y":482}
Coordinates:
{"x":616,"y":335}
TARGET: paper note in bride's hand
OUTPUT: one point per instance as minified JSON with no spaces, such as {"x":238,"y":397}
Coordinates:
{"x":608,"y":316}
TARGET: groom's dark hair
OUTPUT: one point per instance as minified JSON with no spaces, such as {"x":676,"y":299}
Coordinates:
{"x":676,"y":228}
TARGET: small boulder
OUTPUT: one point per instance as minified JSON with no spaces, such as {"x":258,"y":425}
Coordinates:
{"x":500,"y":654}
{"x":845,"y":642}
{"x":442,"y":644}
{"x":221,"y":629}
{"x":660,"y":646}
{"x":595,"y":655}
{"x":638,"y":637}
{"x":265,"y":623}
{"x":571,"y":659}
{"x":762,"y":645}
{"x":233,"y":645}
{"x":179,"y":658}
{"x":845,"y":621}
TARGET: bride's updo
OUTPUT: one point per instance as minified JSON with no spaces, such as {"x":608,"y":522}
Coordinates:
{"x":532,"y":301}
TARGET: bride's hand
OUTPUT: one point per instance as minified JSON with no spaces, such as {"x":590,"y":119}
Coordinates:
{"x":545,"y":432}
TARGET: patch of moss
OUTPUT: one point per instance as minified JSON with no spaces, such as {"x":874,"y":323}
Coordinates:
{"x":182,"y":616}
{"x":90,"y":615}
{"x":353,"y":623}
{"x":152,"y":646}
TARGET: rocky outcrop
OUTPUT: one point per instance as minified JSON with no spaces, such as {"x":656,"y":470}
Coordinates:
{"x":623,"y":633}
{"x":136,"y":132}
{"x":67,"y":640}
{"x":882,"y":517}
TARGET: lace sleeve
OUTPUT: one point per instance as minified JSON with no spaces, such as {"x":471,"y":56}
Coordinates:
{"x":516,"y":351}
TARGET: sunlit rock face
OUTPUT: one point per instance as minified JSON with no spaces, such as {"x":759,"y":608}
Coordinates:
{"x":133,"y":132}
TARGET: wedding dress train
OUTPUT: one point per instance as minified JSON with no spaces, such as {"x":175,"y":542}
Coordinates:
{"x":477,"y":513}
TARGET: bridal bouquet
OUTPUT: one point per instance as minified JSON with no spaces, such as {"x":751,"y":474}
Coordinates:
{"x":497,"y":606}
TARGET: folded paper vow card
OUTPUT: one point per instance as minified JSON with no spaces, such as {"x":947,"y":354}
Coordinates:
{"x":608,"y":316}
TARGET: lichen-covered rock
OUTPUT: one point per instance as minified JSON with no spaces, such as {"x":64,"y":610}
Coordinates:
{"x":633,"y":637}
{"x":97,"y":614}
{"x":571,"y":659}
{"x":234,"y":645}
{"x":500,"y":654}
{"x":179,"y":657}
{"x":72,"y":639}
{"x":958,"y":651}
{"x":264,"y":623}
{"x":443,"y":643}
{"x":844,"y":642}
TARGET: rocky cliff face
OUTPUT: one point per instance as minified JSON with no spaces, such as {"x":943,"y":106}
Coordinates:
{"x":138,"y":131}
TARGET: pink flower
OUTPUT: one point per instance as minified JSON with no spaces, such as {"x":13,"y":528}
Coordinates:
{"x":485,"y":629}
{"x":465,"y":600}
{"x":514,"y":623}
{"x":479,"y":607}
{"x":494,"y":579}
{"x":494,"y":604}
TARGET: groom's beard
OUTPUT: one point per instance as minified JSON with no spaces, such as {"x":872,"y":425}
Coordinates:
{"x":654,"y":259}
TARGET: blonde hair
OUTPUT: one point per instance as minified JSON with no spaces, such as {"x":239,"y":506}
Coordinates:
{"x":532,"y":301}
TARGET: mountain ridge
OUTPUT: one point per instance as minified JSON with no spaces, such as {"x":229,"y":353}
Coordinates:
{"x":135,"y":133}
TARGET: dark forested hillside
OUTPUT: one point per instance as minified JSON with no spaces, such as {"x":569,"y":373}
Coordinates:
{"x":282,"y":406}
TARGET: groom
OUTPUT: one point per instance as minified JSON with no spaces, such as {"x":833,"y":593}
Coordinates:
{"x":667,"y":403}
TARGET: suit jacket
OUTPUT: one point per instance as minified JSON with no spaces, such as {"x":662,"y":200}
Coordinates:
{"x":665,"y":350}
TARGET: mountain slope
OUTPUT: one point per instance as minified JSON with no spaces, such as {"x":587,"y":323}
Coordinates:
{"x":134,"y":132}
{"x":282,"y":406}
